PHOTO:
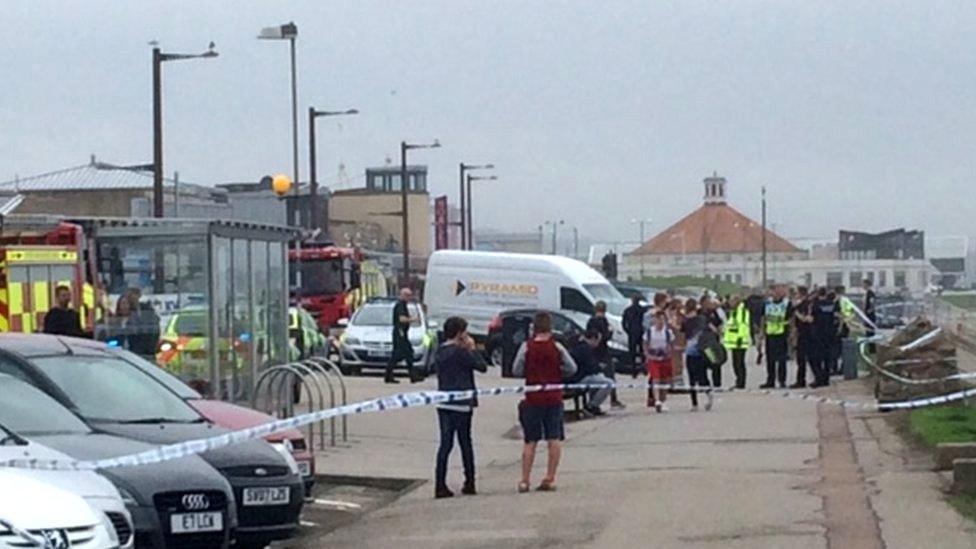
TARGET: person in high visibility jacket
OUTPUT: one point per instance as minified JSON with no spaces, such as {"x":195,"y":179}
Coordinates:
{"x":738,"y":337}
{"x":775,"y":333}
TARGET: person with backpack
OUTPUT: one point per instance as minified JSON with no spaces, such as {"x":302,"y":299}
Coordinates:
{"x":457,"y":359}
{"x":692,"y":327}
{"x":542,"y":361}
{"x":658,"y":346}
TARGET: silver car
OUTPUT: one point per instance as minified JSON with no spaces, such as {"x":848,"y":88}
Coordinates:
{"x":367,"y":341}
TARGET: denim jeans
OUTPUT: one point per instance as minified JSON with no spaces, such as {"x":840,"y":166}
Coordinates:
{"x":459,"y":424}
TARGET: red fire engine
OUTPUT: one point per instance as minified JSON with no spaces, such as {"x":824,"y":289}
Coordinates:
{"x":326,"y":280}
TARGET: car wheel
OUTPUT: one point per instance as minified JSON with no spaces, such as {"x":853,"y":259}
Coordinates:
{"x":497,"y":357}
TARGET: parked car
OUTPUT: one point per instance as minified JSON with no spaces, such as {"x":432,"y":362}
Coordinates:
{"x":104,"y":389}
{"x":53,"y":515}
{"x":567,"y":328}
{"x":174,"y":503}
{"x":96,"y":490}
{"x":234,"y":417}
{"x":367,"y":341}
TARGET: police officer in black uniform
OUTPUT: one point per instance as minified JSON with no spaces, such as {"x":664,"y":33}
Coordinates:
{"x":402,"y":349}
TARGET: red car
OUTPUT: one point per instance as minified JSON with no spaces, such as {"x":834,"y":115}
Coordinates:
{"x":232,"y":416}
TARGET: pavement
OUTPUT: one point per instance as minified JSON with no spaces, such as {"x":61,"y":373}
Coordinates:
{"x":756,"y":471}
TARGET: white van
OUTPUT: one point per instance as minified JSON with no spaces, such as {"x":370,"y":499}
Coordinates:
{"x":479,"y":285}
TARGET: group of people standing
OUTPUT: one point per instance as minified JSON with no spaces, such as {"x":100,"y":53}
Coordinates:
{"x":784,"y":323}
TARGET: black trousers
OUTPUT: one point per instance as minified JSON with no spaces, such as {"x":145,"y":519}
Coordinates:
{"x":697,"y":368}
{"x":777,"y":354}
{"x":635,"y":352}
{"x":716,"y":372}
{"x":819,"y":355}
{"x":739,"y":367}
{"x":803,"y":345}
{"x":401,"y":352}
{"x":454,"y":424}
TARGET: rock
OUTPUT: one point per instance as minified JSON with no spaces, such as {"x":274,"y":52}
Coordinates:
{"x":964,"y":476}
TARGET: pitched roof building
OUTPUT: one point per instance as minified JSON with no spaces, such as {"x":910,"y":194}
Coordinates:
{"x":715,"y":228}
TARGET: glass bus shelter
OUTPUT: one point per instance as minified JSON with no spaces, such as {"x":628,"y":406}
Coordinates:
{"x":206,"y":300}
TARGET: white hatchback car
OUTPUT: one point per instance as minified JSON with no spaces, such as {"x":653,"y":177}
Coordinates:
{"x":77,"y":509}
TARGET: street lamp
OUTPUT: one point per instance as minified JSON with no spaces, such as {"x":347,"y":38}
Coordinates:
{"x":313,"y":183}
{"x":463,"y":223}
{"x":470,"y":220}
{"x":641,"y":222}
{"x":158,"y":58}
{"x":555,"y":228}
{"x":289,"y":31}
{"x":404,"y":212}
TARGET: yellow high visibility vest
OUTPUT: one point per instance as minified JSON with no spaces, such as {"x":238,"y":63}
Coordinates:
{"x":738,"y":329}
{"x":776,"y":317}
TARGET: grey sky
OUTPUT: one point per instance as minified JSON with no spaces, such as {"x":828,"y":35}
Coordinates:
{"x":855,"y":114}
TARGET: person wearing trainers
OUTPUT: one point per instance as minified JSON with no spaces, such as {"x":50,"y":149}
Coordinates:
{"x":658,"y":346}
{"x":588,"y":372}
{"x":542,"y":361}
{"x":599,"y":323}
{"x":695,"y":363}
{"x":456,"y":360}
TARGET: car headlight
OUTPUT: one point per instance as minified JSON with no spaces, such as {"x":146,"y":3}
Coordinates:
{"x":166,"y":347}
{"x":127,"y":497}
{"x":284,"y":450}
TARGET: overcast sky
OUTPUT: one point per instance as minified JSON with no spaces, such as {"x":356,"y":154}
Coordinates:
{"x":857,"y":115}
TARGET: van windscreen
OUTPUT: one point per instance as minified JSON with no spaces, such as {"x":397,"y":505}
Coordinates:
{"x":616,"y":302}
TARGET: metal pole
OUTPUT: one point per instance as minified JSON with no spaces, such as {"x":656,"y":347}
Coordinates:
{"x":464,"y":225}
{"x":555,"y":227}
{"x":764,"y":278}
{"x":575,"y":242}
{"x":405,"y":238}
{"x":176,"y":194}
{"x":641,"y":244}
{"x":542,"y":240}
{"x":313,"y":184}
{"x":470,"y":222}
{"x":294,"y":117}
{"x":157,"y":60}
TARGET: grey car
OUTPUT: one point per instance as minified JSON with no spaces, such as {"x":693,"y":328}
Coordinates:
{"x":99,"y":385}
{"x":178,"y":503}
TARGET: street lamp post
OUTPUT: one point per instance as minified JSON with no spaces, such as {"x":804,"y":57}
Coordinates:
{"x":158,"y":58}
{"x":764,"y":274}
{"x":641,"y":222}
{"x":313,"y":183}
{"x":404,"y":211}
{"x":555,"y":229}
{"x":470,"y":221}
{"x":462,"y":168}
{"x":289,"y":31}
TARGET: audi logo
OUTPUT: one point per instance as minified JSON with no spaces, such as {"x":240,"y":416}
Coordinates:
{"x":195,"y":502}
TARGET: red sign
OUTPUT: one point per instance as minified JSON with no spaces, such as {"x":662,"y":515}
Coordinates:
{"x":440,"y":223}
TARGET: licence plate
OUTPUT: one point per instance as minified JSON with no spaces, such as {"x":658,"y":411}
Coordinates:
{"x":305,"y":468}
{"x":277,"y":495}
{"x":378,"y":354}
{"x":185,"y":523}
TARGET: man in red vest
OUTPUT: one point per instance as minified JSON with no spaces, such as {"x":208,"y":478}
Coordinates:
{"x":542,"y":361}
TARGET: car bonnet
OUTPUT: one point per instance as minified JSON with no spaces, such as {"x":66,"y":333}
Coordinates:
{"x":87,"y":484}
{"x":30,"y":504}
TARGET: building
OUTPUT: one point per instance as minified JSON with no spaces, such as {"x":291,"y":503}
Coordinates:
{"x":718,"y":242}
{"x":515,"y":242}
{"x":895,"y":244}
{"x":106,"y":190}
{"x":257,"y":202}
{"x":955,"y":259}
{"x":372,"y":214}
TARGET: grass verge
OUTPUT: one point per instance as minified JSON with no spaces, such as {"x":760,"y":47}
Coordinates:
{"x":944,"y":424}
{"x":965,"y":504}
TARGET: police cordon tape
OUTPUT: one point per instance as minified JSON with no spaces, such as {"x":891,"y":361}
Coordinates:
{"x":24,"y":534}
{"x":428,"y":398}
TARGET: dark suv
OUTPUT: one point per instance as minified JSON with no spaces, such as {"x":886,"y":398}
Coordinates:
{"x":566,"y":329}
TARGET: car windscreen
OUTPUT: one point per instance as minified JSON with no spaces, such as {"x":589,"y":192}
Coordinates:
{"x":381,"y":315}
{"x":28,"y":411}
{"x":171,"y":382}
{"x":109,"y":389}
{"x":318,"y":277}
{"x":191,"y":324}
{"x":616,"y":303}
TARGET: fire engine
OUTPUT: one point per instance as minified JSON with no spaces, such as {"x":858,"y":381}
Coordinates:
{"x":331,"y":282}
{"x":36,"y":256}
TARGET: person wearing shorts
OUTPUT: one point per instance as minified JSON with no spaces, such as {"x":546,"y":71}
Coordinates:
{"x":658,"y":346}
{"x":542,"y":361}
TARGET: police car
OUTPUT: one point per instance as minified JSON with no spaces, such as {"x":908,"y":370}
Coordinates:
{"x":367,"y":341}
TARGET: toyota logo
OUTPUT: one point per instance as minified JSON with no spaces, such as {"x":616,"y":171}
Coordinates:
{"x":195,"y":502}
{"x":54,"y":539}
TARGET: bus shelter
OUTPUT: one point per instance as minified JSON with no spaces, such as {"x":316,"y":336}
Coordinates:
{"x":205,"y":299}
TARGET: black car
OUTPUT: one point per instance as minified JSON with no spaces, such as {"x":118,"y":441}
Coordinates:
{"x":566,"y":329}
{"x":99,"y":385}
{"x":178,"y":503}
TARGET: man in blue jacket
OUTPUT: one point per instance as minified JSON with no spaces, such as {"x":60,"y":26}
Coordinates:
{"x":456,"y":361}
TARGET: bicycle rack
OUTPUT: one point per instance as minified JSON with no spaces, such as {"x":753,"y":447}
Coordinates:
{"x":327,"y":366}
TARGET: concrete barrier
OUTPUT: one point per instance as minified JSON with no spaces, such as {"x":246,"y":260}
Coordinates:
{"x":964,"y":476}
{"x":947,"y":452}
